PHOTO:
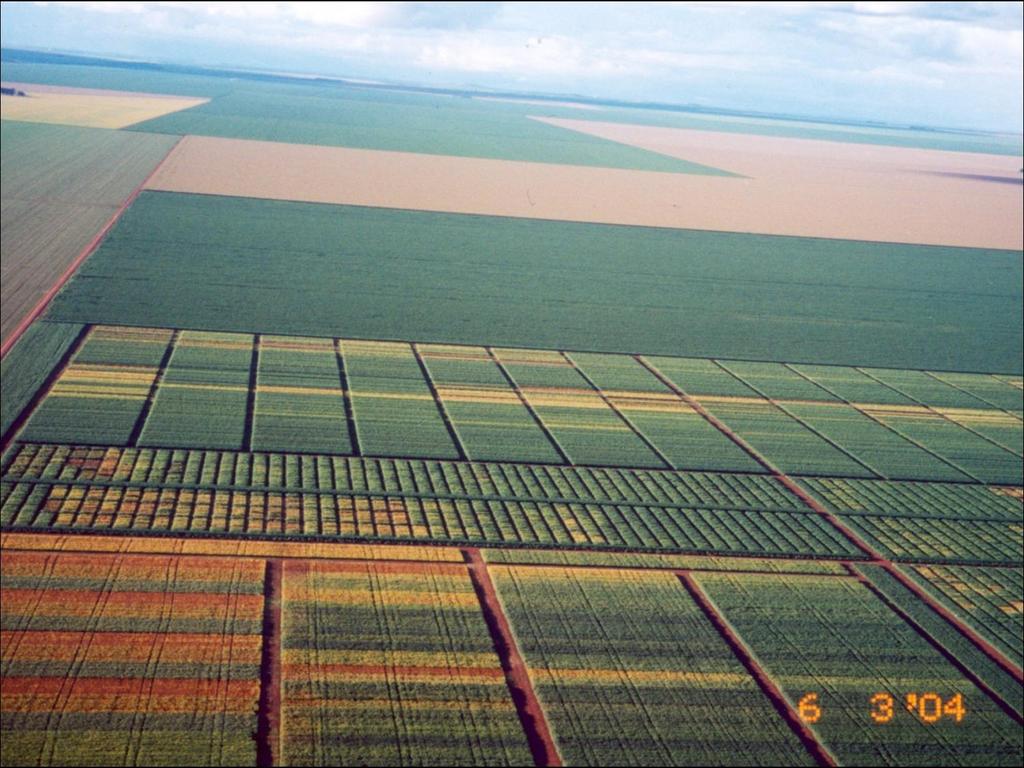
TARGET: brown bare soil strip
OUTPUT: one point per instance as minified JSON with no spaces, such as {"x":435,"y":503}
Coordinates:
{"x":268,"y":722}
{"x":874,"y":193}
{"x":817,"y":750}
{"x":542,"y":745}
{"x":937,"y":645}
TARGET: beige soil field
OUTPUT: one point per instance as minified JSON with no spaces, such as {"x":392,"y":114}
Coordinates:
{"x":791,"y":186}
{"x":88,"y":107}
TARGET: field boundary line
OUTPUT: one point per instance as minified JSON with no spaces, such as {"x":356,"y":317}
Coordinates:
{"x":346,"y":397}
{"x":531,"y":715}
{"x":625,"y":419}
{"x":526,"y":404}
{"x":895,"y":431}
{"x":85,"y":253}
{"x":777,"y":404}
{"x":448,"y":423}
{"x":768,"y":686}
{"x":250,"y":397}
{"x":944,"y":417}
{"x":947,"y":654}
{"x":44,"y":389}
{"x":268,"y":719}
{"x":976,"y":397}
{"x":147,"y":405}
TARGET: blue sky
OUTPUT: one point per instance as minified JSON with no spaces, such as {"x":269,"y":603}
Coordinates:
{"x":943,"y":64}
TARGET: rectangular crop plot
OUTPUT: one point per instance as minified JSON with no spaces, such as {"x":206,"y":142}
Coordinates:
{"x":395,"y":412}
{"x":908,"y":499}
{"x":1004,"y":429}
{"x":835,"y":639}
{"x":299,"y":404}
{"x":630,"y":672}
{"x":942,"y":539}
{"x":492,"y":422}
{"x":202,"y":398}
{"x":700,"y":377}
{"x":588,"y":429}
{"x":991,"y":389}
{"x":783,"y":440}
{"x":135,"y":660}
{"x":887,"y":453}
{"x":926,"y":389}
{"x":776,"y":381}
{"x":681,"y":434}
{"x":391,"y":665}
{"x":618,"y":372}
{"x":852,"y":385}
{"x":99,"y":397}
{"x":971,"y":453}
{"x":988,"y":599}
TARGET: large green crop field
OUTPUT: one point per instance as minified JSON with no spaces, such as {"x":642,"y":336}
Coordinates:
{"x":281,"y":267}
{"x":287,"y":483}
{"x":60,"y":186}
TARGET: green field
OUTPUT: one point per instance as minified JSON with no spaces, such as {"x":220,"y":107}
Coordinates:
{"x":364,"y":118}
{"x":29,"y":363}
{"x":60,"y":186}
{"x":302,"y":484}
{"x":630,"y":672}
{"x":281,"y":267}
{"x":501,"y":124}
{"x":834,"y":638}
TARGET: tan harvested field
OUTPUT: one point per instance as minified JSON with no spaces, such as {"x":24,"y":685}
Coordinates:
{"x":790,"y":186}
{"x":88,"y":107}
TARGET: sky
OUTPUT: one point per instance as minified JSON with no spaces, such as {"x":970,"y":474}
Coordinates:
{"x":940,"y":64}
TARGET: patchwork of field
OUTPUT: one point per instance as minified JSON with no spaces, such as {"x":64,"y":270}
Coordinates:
{"x":471,"y":121}
{"x":776,"y":186}
{"x":205,"y":433}
{"x":404,"y":655}
{"x":141,"y":660}
{"x":61,"y":185}
{"x":280,"y":266}
{"x":88,"y":107}
{"x":297,"y":480}
{"x":163,"y":388}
